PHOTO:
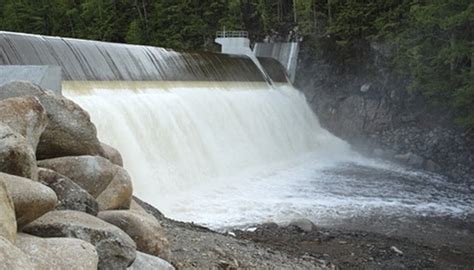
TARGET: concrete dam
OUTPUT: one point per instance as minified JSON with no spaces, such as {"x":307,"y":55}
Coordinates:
{"x":207,"y":138}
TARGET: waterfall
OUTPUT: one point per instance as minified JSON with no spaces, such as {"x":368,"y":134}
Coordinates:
{"x":181,"y":120}
{"x":206,"y":139}
{"x":184,"y":136}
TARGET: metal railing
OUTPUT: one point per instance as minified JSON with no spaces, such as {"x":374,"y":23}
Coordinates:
{"x":232,"y":34}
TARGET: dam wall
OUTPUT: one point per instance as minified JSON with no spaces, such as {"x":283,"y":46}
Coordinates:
{"x":183,"y":121}
{"x":48,"y":77}
{"x":284,"y":52}
{"x":85,"y":60}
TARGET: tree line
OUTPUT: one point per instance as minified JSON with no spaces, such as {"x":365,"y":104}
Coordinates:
{"x":431,"y":41}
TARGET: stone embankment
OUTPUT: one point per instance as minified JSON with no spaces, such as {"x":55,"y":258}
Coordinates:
{"x":66,"y":201}
{"x":64,"y":196}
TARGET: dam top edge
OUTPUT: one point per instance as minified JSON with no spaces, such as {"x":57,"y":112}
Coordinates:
{"x":153,"y":83}
{"x":99,"y":41}
{"x":186,"y":52}
{"x":90,"y":60}
{"x":191,"y":52}
{"x":89,"y":87}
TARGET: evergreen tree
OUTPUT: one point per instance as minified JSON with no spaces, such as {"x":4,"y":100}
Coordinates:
{"x":434,"y":39}
{"x":436,"y":49}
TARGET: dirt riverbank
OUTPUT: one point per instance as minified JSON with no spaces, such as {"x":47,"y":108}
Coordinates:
{"x":364,"y":244}
{"x":352,"y":249}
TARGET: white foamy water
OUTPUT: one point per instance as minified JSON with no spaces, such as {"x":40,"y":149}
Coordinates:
{"x":230,"y":156}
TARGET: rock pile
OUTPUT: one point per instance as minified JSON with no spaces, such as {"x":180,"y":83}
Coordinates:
{"x":65,"y":199}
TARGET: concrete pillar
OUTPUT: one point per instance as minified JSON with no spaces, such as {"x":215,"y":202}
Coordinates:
{"x":237,"y":42}
{"x":48,"y":77}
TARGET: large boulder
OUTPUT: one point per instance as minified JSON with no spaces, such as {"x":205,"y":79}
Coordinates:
{"x":139,"y":205}
{"x":7,"y":215}
{"x":147,"y":262}
{"x":16,"y":155}
{"x":69,"y":132}
{"x":118,"y":193}
{"x":70,"y":195}
{"x":112,"y":154}
{"x":12,"y":258}
{"x":26,"y":116}
{"x":135,"y":207}
{"x":58,"y":253}
{"x":30,"y":199}
{"x":144,"y":229}
{"x":115,"y":248}
{"x":91,"y":173}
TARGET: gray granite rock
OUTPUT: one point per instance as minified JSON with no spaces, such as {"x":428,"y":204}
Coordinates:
{"x":7,"y":215}
{"x":70,"y":195}
{"x":92,"y":173}
{"x":69,"y":132}
{"x":115,"y":248}
{"x":26,"y":116}
{"x":148,"y":262}
{"x":58,"y":253}
{"x":118,"y":194}
{"x":12,"y":258}
{"x":16,"y":154}
{"x":144,"y":229}
{"x":112,"y":154}
{"x":31,"y":199}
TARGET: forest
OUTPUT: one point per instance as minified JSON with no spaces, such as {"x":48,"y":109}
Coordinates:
{"x":430,"y":41}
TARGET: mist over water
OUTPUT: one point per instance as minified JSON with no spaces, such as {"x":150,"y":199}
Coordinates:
{"x":185,"y":137}
{"x":225,"y":155}
{"x":207,"y":140}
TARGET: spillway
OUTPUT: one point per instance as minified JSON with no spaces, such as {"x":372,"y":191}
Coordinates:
{"x":183,"y":137}
{"x":181,"y":120}
{"x":86,"y":60}
{"x":207,"y":139}
{"x":231,"y":154}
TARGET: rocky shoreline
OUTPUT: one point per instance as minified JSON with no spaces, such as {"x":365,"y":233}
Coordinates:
{"x":197,"y":247}
{"x":66,"y":202}
{"x":65,"y":199}
{"x":425,"y":243}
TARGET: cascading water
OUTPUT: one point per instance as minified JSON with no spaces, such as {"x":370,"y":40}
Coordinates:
{"x":205,"y":139}
{"x":230,"y":154}
{"x":182,"y":138}
{"x":86,"y":60}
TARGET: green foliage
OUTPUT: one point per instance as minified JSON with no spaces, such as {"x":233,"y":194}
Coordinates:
{"x":305,"y":16}
{"x":432,"y":39}
{"x":180,"y":24}
{"x":135,"y":33}
{"x":436,"y":50}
